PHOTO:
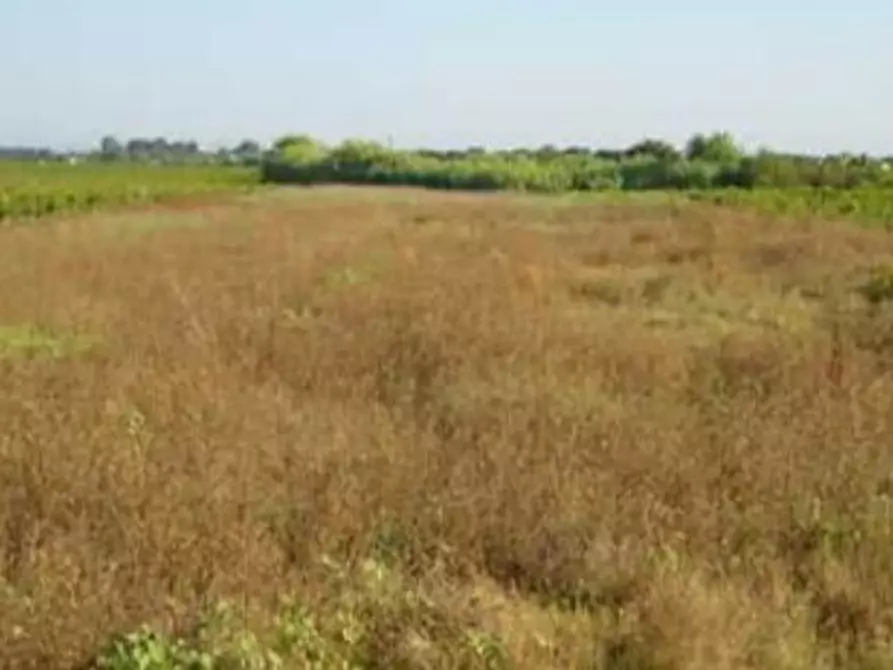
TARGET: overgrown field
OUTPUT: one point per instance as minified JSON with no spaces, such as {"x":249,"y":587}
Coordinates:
{"x":362,"y":429}
{"x":31,"y":190}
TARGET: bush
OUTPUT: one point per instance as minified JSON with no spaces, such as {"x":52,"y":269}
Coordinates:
{"x":711,"y":162}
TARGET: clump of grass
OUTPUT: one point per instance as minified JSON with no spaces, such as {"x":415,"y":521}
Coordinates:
{"x":34,"y":342}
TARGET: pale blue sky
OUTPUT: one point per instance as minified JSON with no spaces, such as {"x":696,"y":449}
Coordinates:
{"x":794,"y":74}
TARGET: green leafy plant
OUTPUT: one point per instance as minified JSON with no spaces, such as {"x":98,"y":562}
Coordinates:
{"x":146,"y":649}
{"x":488,"y":650}
{"x":219,"y":643}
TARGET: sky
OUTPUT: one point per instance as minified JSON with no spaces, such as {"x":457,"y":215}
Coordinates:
{"x":813,"y":76}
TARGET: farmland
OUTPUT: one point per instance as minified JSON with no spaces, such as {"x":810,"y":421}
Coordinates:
{"x":31,"y":190}
{"x":362,"y":428}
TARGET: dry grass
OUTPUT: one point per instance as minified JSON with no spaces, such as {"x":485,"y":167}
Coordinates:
{"x":453,"y":431}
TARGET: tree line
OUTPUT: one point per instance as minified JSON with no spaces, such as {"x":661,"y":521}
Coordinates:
{"x":163,"y":150}
{"x":157,"y":150}
{"x":707,"y":161}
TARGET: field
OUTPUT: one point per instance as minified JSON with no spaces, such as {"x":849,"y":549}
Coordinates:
{"x":355,"y":428}
{"x":31,"y":190}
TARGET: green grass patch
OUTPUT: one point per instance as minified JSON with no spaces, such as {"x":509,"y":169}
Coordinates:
{"x":31,"y":342}
{"x":869,"y":206}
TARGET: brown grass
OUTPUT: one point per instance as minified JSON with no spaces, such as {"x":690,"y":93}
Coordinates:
{"x":459,"y":431}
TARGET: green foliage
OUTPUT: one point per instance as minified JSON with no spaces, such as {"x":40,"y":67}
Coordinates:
{"x":830,"y":186}
{"x":709,"y":162}
{"x":219,"y":644}
{"x":716,"y":148}
{"x":34,"y":190}
{"x":299,"y":637}
{"x":148,"y":650}
{"x":870,"y":205}
{"x":348,"y":637}
{"x":298,"y":148}
{"x":654,"y":148}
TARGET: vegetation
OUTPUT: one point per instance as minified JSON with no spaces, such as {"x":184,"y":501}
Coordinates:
{"x":382,"y":428}
{"x":31,"y":190}
{"x":708,"y":162}
{"x":869,"y":205}
{"x":159,"y":151}
{"x":709,"y":168}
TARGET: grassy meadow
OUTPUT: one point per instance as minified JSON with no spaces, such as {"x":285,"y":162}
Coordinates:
{"x":345,"y":428}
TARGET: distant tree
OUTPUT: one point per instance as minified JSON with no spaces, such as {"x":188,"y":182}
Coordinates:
{"x":248,"y":148}
{"x":287,"y":141}
{"x":248,"y":152}
{"x":608,"y":154}
{"x":139,"y":148}
{"x":179,"y":152}
{"x":576,"y":151}
{"x":357,"y":152}
{"x":717,"y":148}
{"x":654,"y":148}
{"x":159,"y":148}
{"x":299,"y":148}
{"x":28,"y":154}
{"x":520,"y":152}
{"x":110,"y":148}
{"x":224,"y":155}
{"x":768,"y":168}
{"x":547,"y":152}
